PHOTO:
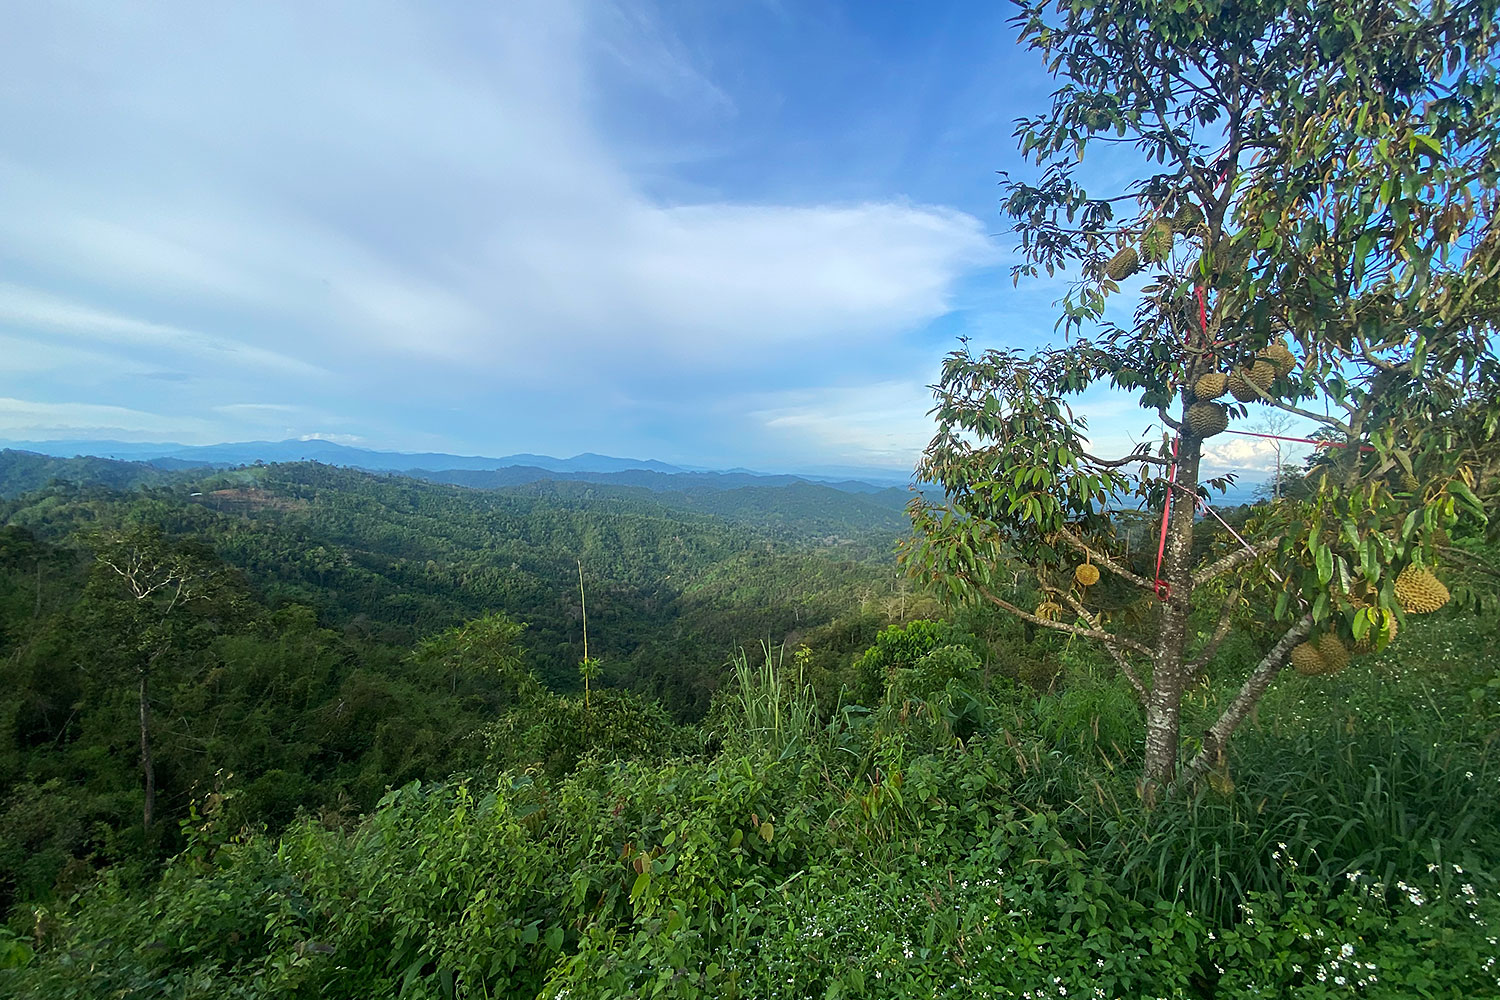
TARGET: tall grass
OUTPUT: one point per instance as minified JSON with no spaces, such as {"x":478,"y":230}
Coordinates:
{"x":773,"y":709}
{"x":1329,"y":803}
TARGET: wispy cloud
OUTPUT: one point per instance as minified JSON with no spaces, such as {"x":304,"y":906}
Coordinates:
{"x":28,"y":309}
{"x":22,"y":419}
{"x":430,"y":204}
{"x":883,"y":424}
{"x":335,"y":438}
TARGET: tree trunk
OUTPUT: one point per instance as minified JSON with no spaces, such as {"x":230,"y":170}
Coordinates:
{"x":147,"y":768}
{"x":1163,"y":715}
{"x":1168,"y":672}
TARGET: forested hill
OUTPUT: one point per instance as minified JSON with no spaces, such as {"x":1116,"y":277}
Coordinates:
{"x":671,"y":589}
{"x":328,"y":655}
{"x":861,"y":525}
{"x":864,"y":519}
{"x":680,"y":481}
{"x":24,"y":471}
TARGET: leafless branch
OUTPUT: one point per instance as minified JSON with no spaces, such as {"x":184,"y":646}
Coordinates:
{"x":1131,"y":459}
{"x":1226,"y":619}
{"x":1234,"y":560}
{"x":1104,"y":560}
{"x":1115,"y":653}
{"x":1087,"y":633}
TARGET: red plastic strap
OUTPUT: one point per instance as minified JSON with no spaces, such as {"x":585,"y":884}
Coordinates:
{"x":1163,"y":590}
{"x":1320,"y":444}
{"x":1203,"y":312}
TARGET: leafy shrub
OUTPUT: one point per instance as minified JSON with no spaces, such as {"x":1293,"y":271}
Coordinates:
{"x":555,"y":733}
{"x":898,"y":647}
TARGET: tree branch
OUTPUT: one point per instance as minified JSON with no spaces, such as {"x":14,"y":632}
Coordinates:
{"x":1226,"y":618}
{"x":1115,"y":654}
{"x":1233,"y":561}
{"x":1087,"y":633}
{"x":1217,"y":736}
{"x":1105,"y":561}
{"x":1131,"y":459}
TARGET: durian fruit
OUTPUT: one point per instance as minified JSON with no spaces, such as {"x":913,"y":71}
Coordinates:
{"x":1335,"y":654}
{"x":1410,"y":483}
{"x":1049,"y":610}
{"x":1307,"y":661}
{"x":1207,"y":419}
{"x":1280,"y":357}
{"x":1419,"y":592}
{"x":1123,"y":264}
{"x":1188,"y":215}
{"x":1156,"y":245}
{"x":1242,"y":381}
{"x":1211,"y":386}
{"x":1087,"y":575}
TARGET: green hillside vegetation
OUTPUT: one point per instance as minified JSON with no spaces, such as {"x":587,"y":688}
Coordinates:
{"x":942,"y":807}
{"x":296,"y":731}
{"x":391,"y":559}
{"x":25,"y":471}
{"x":859,"y":525}
{"x":970,"y":836}
{"x":317,"y":666}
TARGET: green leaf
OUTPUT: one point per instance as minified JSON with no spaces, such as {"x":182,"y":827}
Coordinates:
{"x":1324,"y":559}
{"x":1430,"y":144}
{"x":1462,"y":491}
{"x":642,"y":883}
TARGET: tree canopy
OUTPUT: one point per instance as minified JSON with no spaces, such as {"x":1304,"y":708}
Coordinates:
{"x":1311,"y":205}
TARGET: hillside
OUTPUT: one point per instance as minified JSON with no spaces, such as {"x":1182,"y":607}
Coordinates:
{"x":402,"y":558}
{"x":351,"y":731}
{"x":472,"y":470}
{"x":24,"y":471}
{"x":313,"y":673}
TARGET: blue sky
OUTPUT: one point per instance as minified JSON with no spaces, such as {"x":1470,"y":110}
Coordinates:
{"x":737,"y":233}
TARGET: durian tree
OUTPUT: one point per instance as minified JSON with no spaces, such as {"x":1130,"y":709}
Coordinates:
{"x":1309,"y":225}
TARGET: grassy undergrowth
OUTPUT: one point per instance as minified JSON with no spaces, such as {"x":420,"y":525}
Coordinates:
{"x":969,"y":837}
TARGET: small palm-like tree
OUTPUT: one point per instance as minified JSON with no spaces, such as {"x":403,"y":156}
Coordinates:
{"x":588,"y":667}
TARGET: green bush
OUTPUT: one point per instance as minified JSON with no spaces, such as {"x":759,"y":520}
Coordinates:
{"x":957,"y":841}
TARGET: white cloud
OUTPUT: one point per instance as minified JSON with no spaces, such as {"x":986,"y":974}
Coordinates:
{"x":257,"y":409}
{"x":32,"y":356}
{"x":1241,"y":453}
{"x":334,"y":438}
{"x":32,"y":310}
{"x":27,"y":420}
{"x":418,"y":184}
{"x":1253,"y":456}
{"x":882,"y":424}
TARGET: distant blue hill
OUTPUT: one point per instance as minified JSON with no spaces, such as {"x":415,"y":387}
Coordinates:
{"x":684,"y":482}
{"x":508,"y":470}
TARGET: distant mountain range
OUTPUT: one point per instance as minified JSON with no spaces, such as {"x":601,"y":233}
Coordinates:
{"x":467,"y":470}
{"x":486,"y":473}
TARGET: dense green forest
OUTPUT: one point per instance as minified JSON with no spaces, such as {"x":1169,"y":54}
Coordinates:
{"x":315,"y":669}
{"x":372,"y":780}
